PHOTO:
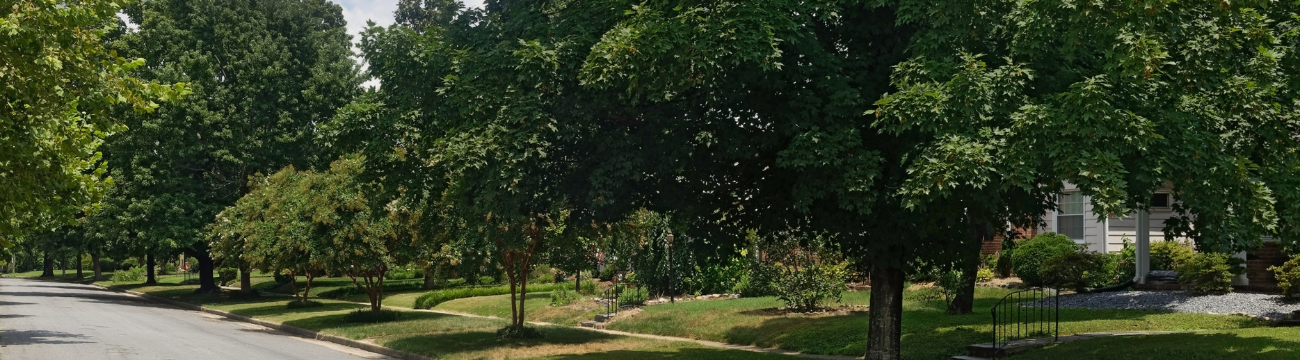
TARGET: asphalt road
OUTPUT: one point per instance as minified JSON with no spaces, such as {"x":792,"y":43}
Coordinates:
{"x":56,"y":321}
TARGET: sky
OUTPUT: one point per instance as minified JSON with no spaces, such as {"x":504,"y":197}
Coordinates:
{"x":357,"y":12}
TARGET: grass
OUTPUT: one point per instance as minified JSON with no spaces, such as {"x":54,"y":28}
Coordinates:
{"x":1246,"y":344}
{"x":928,"y":332}
{"x":446,"y":336}
{"x":536,"y":308}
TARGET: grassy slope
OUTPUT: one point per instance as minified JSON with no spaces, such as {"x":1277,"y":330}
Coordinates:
{"x":928,"y":332}
{"x":536,"y":308}
{"x":445,"y":336}
{"x":1247,"y":344}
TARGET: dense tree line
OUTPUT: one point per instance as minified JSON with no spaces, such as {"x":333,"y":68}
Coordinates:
{"x":528,"y":131}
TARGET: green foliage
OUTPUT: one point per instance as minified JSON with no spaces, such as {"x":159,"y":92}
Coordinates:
{"x":808,"y":286}
{"x":371,"y":316}
{"x":631,"y":296}
{"x":130,"y":263}
{"x":1076,"y":270}
{"x":299,"y":304}
{"x":433,"y":298}
{"x":984,"y":275}
{"x":1030,"y":255}
{"x":948,"y":283}
{"x":226,"y":275}
{"x":519,"y":332}
{"x":1205,"y":273}
{"x":403,"y":274}
{"x":132,"y":275}
{"x":1004,"y":266}
{"x":588,"y":287}
{"x":563,"y":296}
{"x":61,"y":95}
{"x":1288,"y":277}
{"x":1166,"y":255}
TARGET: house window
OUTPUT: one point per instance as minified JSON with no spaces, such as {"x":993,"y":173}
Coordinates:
{"x":1160,"y":201}
{"x":1069,"y":219}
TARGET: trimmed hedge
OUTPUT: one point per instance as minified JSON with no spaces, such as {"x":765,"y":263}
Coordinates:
{"x":1030,"y":255}
{"x":433,"y":298}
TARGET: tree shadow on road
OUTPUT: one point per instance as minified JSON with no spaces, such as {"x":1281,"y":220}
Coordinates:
{"x":35,"y":337}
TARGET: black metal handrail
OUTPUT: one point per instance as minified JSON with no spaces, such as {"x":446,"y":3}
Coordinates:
{"x":1026,"y":314}
{"x":614,"y":296}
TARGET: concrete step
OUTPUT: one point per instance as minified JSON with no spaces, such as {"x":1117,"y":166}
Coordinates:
{"x":604,"y":317}
{"x":592,"y":324}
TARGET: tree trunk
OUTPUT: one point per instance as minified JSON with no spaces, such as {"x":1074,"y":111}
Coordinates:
{"x":964,"y":301}
{"x":293,"y":286}
{"x":430,"y":281}
{"x":48,"y":270}
{"x":306,"y":290}
{"x":63,"y":267}
{"x":246,"y":281}
{"x":885,"y":324}
{"x":207,"y":282}
{"x":99,"y":271}
{"x":149,"y":265}
{"x":577,"y":282}
{"x":78,"y":266}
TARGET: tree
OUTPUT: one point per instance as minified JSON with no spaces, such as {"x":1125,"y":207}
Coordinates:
{"x":264,"y":75}
{"x":60,"y":87}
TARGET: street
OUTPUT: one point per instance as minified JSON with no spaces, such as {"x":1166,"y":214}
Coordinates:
{"x":47,"y":320}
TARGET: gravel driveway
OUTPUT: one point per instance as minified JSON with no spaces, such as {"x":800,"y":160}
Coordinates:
{"x":1261,"y":305}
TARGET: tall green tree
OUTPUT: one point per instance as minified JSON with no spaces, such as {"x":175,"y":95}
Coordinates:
{"x":264,"y":75}
{"x":59,"y":86}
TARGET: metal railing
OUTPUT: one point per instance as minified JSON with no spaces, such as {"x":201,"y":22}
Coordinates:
{"x":1026,"y":314}
{"x":614,"y":296}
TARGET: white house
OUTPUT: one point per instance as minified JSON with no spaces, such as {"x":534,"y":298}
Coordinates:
{"x":1076,"y":220}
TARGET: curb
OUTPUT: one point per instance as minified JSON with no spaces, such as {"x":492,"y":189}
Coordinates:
{"x":289,"y":329}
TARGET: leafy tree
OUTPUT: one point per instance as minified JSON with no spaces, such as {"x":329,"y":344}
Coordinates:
{"x":264,"y":74}
{"x":60,"y":85}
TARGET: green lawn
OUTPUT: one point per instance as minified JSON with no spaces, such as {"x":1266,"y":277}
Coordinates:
{"x":536,"y":308}
{"x":1247,"y":344}
{"x":928,"y":332}
{"x":447,"y":336}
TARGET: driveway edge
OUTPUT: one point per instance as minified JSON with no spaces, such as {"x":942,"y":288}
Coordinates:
{"x":289,"y":329}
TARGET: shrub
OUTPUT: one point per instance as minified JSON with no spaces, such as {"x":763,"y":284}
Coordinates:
{"x":133,"y":275}
{"x":588,"y":287}
{"x":562,"y":296}
{"x":433,"y":298}
{"x":401,"y":274}
{"x":129,"y":264}
{"x":282,"y":279}
{"x":1165,"y":255}
{"x":226,"y":275}
{"x":1030,"y":254}
{"x":984,"y":275}
{"x":295,"y":304}
{"x":367,"y":316}
{"x":1288,"y":277}
{"x":1076,"y":270}
{"x":1004,"y":263}
{"x":518,"y":332}
{"x":949,"y":283}
{"x":1205,"y":273}
{"x":807,"y":287}
{"x":607,"y":274}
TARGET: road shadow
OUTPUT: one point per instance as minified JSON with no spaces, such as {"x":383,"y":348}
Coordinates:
{"x":103,"y":298}
{"x":59,"y":286}
{"x":39,"y":337}
{"x":11,"y":303}
{"x":12,"y":316}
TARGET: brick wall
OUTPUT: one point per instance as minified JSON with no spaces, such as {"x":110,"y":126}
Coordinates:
{"x":1257,"y":264}
{"x":993,"y":246}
